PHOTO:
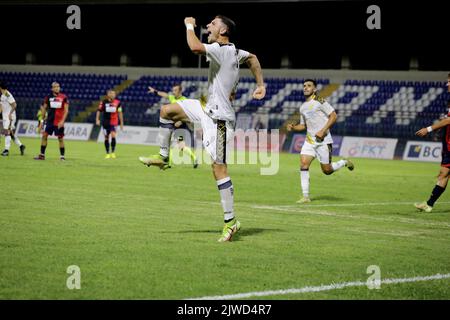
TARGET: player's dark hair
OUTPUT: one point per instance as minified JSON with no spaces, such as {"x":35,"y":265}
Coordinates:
{"x":177,"y":85}
{"x":311,"y":80}
{"x":231,"y":26}
{"x":3,"y":85}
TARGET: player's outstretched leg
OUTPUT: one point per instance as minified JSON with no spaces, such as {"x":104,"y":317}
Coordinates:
{"x":225,"y":186}
{"x":305,"y":162}
{"x":169,"y":114}
{"x":438,"y":190}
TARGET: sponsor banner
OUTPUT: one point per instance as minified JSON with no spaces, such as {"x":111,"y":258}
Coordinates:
{"x":423,"y":151}
{"x":299,"y":138}
{"x":297,"y":142}
{"x":72,"y":131}
{"x":258,"y":140}
{"x":360,"y":147}
{"x":134,"y":135}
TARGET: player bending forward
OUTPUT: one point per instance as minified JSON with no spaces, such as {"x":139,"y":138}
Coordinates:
{"x":217,"y":118}
{"x":316,"y":117}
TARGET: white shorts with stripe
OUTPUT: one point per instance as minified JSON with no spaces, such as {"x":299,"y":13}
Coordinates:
{"x":320,"y":151}
{"x":9,"y":124}
{"x":216,"y":133}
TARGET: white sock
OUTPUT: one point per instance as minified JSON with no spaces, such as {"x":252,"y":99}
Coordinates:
{"x":166,"y":128}
{"x":337,"y":165}
{"x":226,"y":195}
{"x":304,"y":179}
{"x":17,"y":141}
{"x":7,"y":142}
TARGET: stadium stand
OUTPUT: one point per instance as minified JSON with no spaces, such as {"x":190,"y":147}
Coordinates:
{"x":29,"y":89}
{"x":383,"y":108}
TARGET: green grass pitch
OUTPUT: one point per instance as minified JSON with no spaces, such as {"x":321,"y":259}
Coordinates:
{"x":141,"y":233}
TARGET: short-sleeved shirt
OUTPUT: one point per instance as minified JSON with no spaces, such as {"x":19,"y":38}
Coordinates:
{"x":315,"y":113}
{"x":6,"y":100}
{"x":172,"y":98}
{"x":110,"y":110}
{"x":223,"y":77}
{"x":55,"y":107}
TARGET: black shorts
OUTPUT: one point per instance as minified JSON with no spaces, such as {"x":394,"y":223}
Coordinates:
{"x":107,"y":129}
{"x":52,"y":129}
{"x":445,"y":159}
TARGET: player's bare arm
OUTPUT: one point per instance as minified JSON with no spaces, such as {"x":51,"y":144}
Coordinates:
{"x":193,"y":41}
{"x":66,"y":112}
{"x":255,"y":68}
{"x":121,"y":120}
{"x":97,"y":118}
{"x":159,"y":93}
{"x":331,"y":121}
{"x":295,"y":127}
{"x":424,"y":131}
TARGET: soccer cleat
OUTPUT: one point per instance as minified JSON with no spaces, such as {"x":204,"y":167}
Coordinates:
{"x":39,"y":157}
{"x":108,"y":156}
{"x":5,"y":153}
{"x":229,"y":230}
{"x":304,"y":200}
{"x":349,"y":165}
{"x":423,"y":207}
{"x":156,"y":160}
{"x":195,"y":164}
{"x":22,"y":150}
{"x":113,"y":155}
{"x":62,"y":158}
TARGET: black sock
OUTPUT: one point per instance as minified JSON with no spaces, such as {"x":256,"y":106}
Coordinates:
{"x":107,"y":146}
{"x":435,"y":194}
{"x":43,"y":149}
{"x":113,"y":144}
{"x":61,"y":151}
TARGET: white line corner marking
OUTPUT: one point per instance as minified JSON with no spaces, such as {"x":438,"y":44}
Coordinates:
{"x":320,"y":288}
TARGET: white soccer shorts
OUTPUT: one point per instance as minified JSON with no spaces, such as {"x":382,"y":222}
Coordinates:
{"x":9,"y":124}
{"x":322,"y":151}
{"x":216,"y":133}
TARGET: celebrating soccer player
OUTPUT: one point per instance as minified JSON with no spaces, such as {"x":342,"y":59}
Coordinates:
{"x":217,"y":118}
{"x":442,"y":179}
{"x":56,"y":108}
{"x":8,"y":105}
{"x":112,"y":113}
{"x":317,"y":116}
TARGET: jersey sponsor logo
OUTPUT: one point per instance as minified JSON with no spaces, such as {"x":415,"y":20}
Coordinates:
{"x":110,"y":107}
{"x":55,"y":104}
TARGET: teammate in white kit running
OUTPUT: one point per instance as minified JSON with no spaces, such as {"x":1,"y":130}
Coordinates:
{"x":317,"y":116}
{"x":217,"y":118}
{"x":8,"y":105}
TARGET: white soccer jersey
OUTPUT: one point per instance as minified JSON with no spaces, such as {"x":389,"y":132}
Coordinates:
{"x":224,"y":61}
{"x":6,"y":100}
{"x":315,"y":113}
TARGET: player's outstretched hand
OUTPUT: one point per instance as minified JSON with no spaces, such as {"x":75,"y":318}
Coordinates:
{"x":151,"y":90}
{"x":259,"y":93}
{"x":289,"y":127}
{"x":422,"y":132}
{"x":189,"y":20}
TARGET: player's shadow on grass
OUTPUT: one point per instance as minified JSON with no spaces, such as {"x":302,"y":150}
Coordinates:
{"x":328,"y":198}
{"x":244,"y":232}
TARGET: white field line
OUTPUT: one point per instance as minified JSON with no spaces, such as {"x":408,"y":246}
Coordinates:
{"x":321,"y":288}
{"x":304,"y":209}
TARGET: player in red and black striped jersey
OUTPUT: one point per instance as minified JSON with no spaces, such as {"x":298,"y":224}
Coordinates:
{"x":111,"y":108}
{"x":445,"y":163}
{"x":56,"y":106}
